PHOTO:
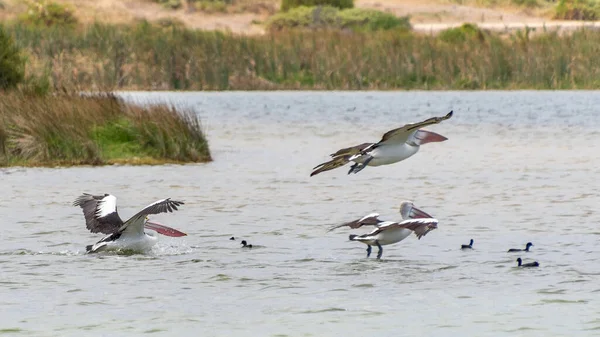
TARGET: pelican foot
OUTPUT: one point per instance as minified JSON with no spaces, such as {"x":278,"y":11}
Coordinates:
{"x":357,"y":167}
{"x":368,"y":251}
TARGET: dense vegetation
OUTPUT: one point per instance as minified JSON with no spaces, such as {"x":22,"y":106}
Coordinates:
{"x":340,"y":4}
{"x":333,"y":18}
{"x":221,"y":6}
{"x":41,"y":126}
{"x":578,"y":10}
{"x":12,"y":63}
{"x":74,"y":129}
{"x":143,"y":56}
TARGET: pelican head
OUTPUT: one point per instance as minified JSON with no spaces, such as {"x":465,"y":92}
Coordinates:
{"x":409,"y":211}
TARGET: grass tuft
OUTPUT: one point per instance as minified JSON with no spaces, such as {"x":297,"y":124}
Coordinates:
{"x":95,"y":130}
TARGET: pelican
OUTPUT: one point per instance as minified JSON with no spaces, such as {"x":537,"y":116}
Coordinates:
{"x":390,"y":232}
{"x":100,"y":212}
{"x":395,"y":145}
{"x":407,"y":211}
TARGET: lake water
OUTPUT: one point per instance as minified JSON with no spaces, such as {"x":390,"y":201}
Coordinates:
{"x":517,"y":167}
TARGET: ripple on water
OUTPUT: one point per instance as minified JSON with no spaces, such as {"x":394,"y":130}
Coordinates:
{"x":552,"y":291}
{"x":561,"y":301}
{"x":320,"y":311}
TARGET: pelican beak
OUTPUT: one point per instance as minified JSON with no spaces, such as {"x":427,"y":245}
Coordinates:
{"x":164,"y":230}
{"x":424,"y":137}
{"x":416,"y":213}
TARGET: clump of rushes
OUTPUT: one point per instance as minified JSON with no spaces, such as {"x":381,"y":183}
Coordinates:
{"x":95,"y":130}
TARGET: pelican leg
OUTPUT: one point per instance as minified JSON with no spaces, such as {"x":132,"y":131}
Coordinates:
{"x":380,"y":252}
{"x":357,"y":167}
{"x":368,"y":251}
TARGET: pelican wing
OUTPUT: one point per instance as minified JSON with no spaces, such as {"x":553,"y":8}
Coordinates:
{"x":330,"y":165}
{"x":350,"y":151}
{"x":340,"y":158}
{"x":160,"y":206}
{"x":401,"y":134}
{"x":420,"y":226}
{"x":100,"y":212}
{"x":369,"y":220}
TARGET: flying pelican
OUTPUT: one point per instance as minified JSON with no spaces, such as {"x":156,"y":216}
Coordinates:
{"x":407,"y":211}
{"x":100,"y":212}
{"x":395,"y":145}
{"x":389,"y":232}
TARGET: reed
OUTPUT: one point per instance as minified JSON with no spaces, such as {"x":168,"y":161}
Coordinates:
{"x":144,"y":56}
{"x":100,"y":129}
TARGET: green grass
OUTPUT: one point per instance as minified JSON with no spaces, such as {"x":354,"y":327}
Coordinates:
{"x":148,"y":57}
{"x":95,"y":130}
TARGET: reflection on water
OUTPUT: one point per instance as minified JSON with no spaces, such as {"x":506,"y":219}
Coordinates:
{"x":518,"y":167}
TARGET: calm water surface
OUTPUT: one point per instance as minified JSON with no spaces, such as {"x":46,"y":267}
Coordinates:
{"x":518,"y":167}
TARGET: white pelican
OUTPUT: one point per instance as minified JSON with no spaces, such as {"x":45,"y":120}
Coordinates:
{"x":101,"y":215}
{"x":395,"y":145}
{"x":407,"y":211}
{"x":389,"y":232}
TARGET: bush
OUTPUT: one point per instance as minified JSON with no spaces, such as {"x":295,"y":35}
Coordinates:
{"x":372,"y":20}
{"x":330,"y":17}
{"x":526,"y":3}
{"x":341,"y":4}
{"x":12,"y":64}
{"x":578,"y":10}
{"x":48,"y":13}
{"x":460,"y":34}
{"x":172,"y":4}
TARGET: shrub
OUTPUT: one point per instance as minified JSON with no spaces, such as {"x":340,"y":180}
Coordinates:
{"x":12,"y":63}
{"x":341,"y":4}
{"x":578,"y":10}
{"x":48,"y":13}
{"x":330,"y":17}
{"x":172,"y":4}
{"x":526,"y":3}
{"x":460,"y":34}
{"x":371,"y":19}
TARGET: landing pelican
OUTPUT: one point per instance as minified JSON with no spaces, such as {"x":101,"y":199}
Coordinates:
{"x":395,"y":145}
{"x":390,"y":232}
{"x":407,"y":211}
{"x":101,"y":216}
